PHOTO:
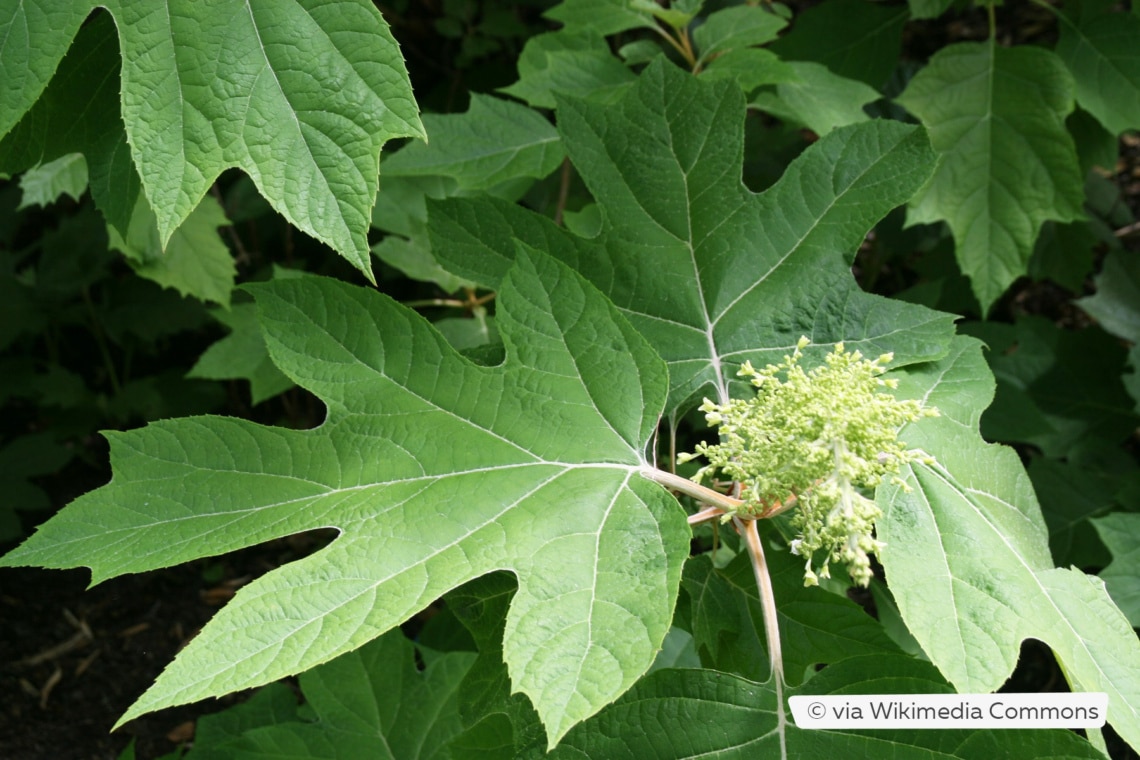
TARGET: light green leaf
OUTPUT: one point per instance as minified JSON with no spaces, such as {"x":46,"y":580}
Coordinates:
{"x":1101,"y":51}
{"x":436,"y":471}
{"x":569,"y":63}
{"x":1116,"y":303}
{"x":371,"y":703}
{"x":817,"y":99}
{"x":66,"y":175}
{"x":241,"y":355}
{"x":996,"y":116}
{"x":195,"y":261}
{"x":1122,"y":576}
{"x":710,"y":273}
{"x":734,"y":28}
{"x":853,"y":38}
{"x":708,"y":714}
{"x":299,"y":94}
{"x":494,"y":141}
{"x":816,"y":626}
{"x":967,"y":556}
{"x":34,"y":35}
{"x":605,"y":17}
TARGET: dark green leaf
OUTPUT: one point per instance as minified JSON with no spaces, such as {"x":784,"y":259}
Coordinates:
{"x":1100,"y":51}
{"x":996,"y":117}
{"x":241,"y":355}
{"x":816,"y":626}
{"x":853,"y":38}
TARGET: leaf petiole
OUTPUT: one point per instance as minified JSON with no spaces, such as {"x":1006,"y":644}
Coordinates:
{"x":725,"y":504}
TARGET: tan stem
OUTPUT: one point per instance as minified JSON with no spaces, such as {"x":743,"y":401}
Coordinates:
{"x":748,"y":529}
{"x":689,"y":488}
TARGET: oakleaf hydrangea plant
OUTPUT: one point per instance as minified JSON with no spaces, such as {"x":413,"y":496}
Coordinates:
{"x":819,"y":439}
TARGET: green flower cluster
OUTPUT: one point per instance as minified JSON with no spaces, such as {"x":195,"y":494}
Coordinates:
{"x":821,"y":439}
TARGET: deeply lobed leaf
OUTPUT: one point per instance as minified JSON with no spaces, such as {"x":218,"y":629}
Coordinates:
{"x":710,"y":273}
{"x":967,"y":556}
{"x":435,"y":471}
{"x":996,"y":117}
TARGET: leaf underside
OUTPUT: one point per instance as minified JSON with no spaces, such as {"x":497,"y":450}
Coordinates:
{"x":436,"y":471}
{"x":967,"y":556}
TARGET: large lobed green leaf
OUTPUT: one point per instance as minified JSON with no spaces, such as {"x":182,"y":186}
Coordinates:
{"x":709,"y":272}
{"x":299,"y":94}
{"x":436,"y":471}
{"x":967,"y":556}
{"x":997,"y":118}
{"x":708,"y":714}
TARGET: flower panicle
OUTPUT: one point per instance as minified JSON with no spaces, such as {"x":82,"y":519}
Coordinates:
{"x":819,"y":439}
